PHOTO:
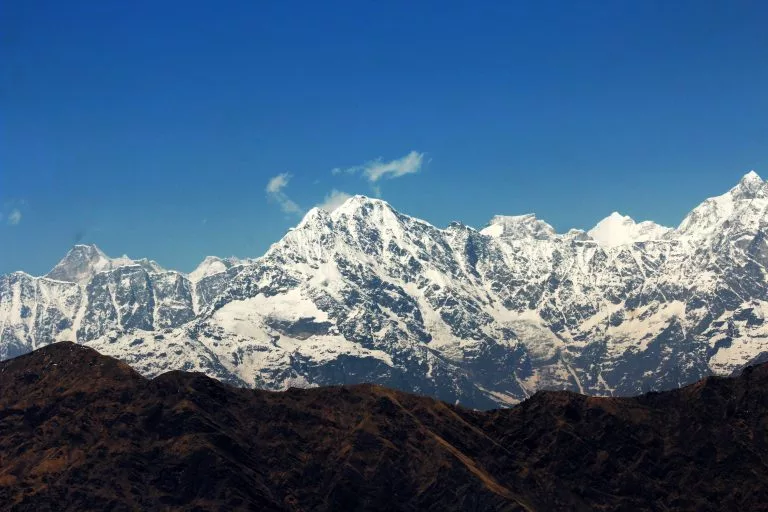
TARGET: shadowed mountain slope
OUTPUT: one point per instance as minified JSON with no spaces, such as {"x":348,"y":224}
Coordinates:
{"x":82,"y":431}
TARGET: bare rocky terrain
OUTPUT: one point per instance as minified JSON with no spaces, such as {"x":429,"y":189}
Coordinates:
{"x":82,"y":431}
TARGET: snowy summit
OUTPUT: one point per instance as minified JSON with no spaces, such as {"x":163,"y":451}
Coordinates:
{"x":618,"y":229}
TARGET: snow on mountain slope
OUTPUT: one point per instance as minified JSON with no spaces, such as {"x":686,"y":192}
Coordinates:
{"x":741,"y":208}
{"x":82,"y":262}
{"x":367,"y":294}
{"x":213,"y":265}
{"x":617,"y":229}
{"x":519,"y":226}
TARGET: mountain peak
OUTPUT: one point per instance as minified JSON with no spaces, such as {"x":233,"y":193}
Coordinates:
{"x":618,"y":216}
{"x":577,"y":234}
{"x":518,"y":227}
{"x":83,"y":261}
{"x":707,"y":218}
{"x":211,"y":265}
{"x":91,"y":250}
{"x":748,"y":186}
{"x":751,"y":176}
{"x":80,"y":263}
{"x":359,"y":201}
{"x":86,"y":247}
{"x":370,"y":209}
{"x":60,"y":368}
{"x":617,"y":229}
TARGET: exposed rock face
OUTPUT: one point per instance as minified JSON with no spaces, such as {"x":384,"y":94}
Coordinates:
{"x":81,"y":431}
{"x":485,"y":318}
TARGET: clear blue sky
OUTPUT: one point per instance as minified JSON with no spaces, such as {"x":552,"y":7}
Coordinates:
{"x":152,"y":128}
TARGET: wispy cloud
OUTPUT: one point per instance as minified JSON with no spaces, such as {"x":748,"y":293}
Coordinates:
{"x":278,"y":183}
{"x":11,"y":211}
{"x":275,"y":191}
{"x":333,"y":200}
{"x":380,"y":169}
{"x":14,"y":217}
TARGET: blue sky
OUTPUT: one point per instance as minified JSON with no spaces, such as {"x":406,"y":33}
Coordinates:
{"x":155,"y":128}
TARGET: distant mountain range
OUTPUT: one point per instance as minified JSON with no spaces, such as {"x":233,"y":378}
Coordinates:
{"x":484,"y":318}
{"x":81,"y":431}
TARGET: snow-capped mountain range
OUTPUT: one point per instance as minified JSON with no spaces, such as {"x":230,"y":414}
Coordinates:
{"x":485,"y":318}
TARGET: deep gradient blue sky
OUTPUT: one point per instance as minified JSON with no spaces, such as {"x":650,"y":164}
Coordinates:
{"x":153,"y":128}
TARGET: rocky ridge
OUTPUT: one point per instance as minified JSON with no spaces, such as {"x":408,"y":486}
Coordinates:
{"x":479,"y":317}
{"x":81,"y":431}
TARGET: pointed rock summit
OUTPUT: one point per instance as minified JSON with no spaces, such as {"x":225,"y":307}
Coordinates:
{"x":749,"y":185}
{"x":84,"y":261}
{"x":741,"y":205}
{"x":752,"y":177}
{"x":80,"y":263}
{"x":360,"y":204}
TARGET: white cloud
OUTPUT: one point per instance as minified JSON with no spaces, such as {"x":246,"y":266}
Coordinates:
{"x":14,"y":217}
{"x":275,"y":188}
{"x":333,"y":200}
{"x":278,"y":183}
{"x":289,"y":206}
{"x":378,"y":169}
